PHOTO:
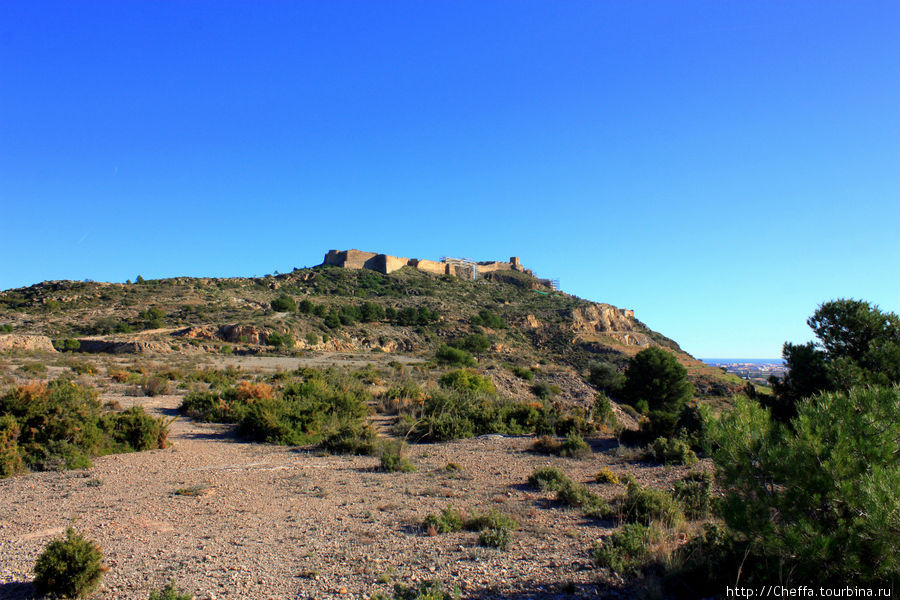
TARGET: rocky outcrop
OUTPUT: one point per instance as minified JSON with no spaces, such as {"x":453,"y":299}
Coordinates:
{"x":243,"y":334}
{"x":205,"y":332}
{"x":595,"y":321}
{"x":93,"y":345}
{"x":25,"y":343}
{"x":600,"y":318}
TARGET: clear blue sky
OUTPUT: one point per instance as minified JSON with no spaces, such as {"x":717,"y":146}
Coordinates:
{"x":720,"y":167}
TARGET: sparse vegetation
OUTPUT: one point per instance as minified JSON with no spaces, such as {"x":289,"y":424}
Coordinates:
{"x":62,"y":424}
{"x":313,"y":405}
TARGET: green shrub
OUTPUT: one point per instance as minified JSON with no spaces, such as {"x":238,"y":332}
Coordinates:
{"x":10,"y":454}
{"x":494,"y":538}
{"x":280,"y":340}
{"x":548,"y":478}
{"x":133,"y":430}
{"x":606,"y":377}
{"x":6,"y":328}
{"x":657,"y":380}
{"x":487,"y":318}
{"x":426,"y":590}
{"x":67,"y":345}
{"x":544,"y":390}
{"x":454,"y":356}
{"x":169,"y":592}
{"x":574,"y":446}
{"x":576,"y":495}
{"x":492,"y":519}
{"x":284,"y":303}
{"x":477,"y":343}
{"x":602,"y":412}
{"x":645,"y":504}
{"x":448,"y":521}
{"x":671,"y":451}
{"x":523,"y":373}
{"x":466,"y":380}
{"x":312,"y":339}
{"x":693,"y":493}
{"x":311,"y":406}
{"x":393,"y":457}
{"x":62,"y":424}
{"x":155,"y":386}
{"x":69,"y":567}
{"x":351,"y":438}
{"x":626,"y":551}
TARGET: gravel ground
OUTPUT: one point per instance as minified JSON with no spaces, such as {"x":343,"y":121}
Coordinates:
{"x":280,"y":522}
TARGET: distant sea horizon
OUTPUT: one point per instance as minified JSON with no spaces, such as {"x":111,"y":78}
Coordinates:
{"x":755,"y":361}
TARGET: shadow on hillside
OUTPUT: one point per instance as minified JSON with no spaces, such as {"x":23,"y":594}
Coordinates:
{"x":603,"y":444}
{"x":17,"y":590}
{"x":224,"y":435}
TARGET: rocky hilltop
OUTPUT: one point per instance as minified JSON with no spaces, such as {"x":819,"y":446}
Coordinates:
{"x":347,"y":304}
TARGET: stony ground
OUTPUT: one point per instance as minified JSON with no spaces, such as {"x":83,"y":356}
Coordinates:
{"x":227,"y":519}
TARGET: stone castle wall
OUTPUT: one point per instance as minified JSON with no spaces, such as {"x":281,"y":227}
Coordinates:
{"x":384,"y":263}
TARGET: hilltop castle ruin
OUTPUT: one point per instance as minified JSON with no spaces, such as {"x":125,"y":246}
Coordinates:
{"x":384,"y":263}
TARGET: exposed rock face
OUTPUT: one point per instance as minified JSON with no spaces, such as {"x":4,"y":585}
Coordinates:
{"x":600,"y":318}
{"x":243,"y":334}
{"x":607,"y":320}
{"x":123,"y":346}
{"x":25,"y":343}
{"x":205,"y":332}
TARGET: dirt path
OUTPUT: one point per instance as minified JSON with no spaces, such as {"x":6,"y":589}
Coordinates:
{"x":277,"y":522}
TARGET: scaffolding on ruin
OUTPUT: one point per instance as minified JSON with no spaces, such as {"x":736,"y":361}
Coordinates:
{"x":462,"y":262}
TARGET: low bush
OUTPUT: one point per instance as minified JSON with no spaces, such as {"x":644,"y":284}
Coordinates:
{"x":454,"y":356}
{"x":493,"y":519}
{"x":11,"y":460}
{"x":523,"y":373}
{"x":448,"y":414}
{"x":605,"y":475}
{"x":70,"y":567}
{"x":393,"y":457}
{"x":645,"y":504}
{"x":169,"y":592}
{"x":467,"y":381}
{"x":602,"y":413}
{"x":548,"y":478}
{"x":448,"y":521}
{"x":494,"y":538}
{"x":573,"y":446}
{"x":671,"y":451}
{"x":606,"y":377}
{"x":693,"y":493}
{"x":284,"y":303}
{"x":62,"y":424}
{"x":576,"y":495}
{"x":281,"y":340}
{"x":625,"y":551}
{"x":351,"y":438}
{"x":487,"y":318}
{"x":426,"y":590}
{"x":544,"y":390}
{"x":155,"y":386}
{"x":476,"y":343}
{"x":133,"y":430}
{"x":313,"y":406}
